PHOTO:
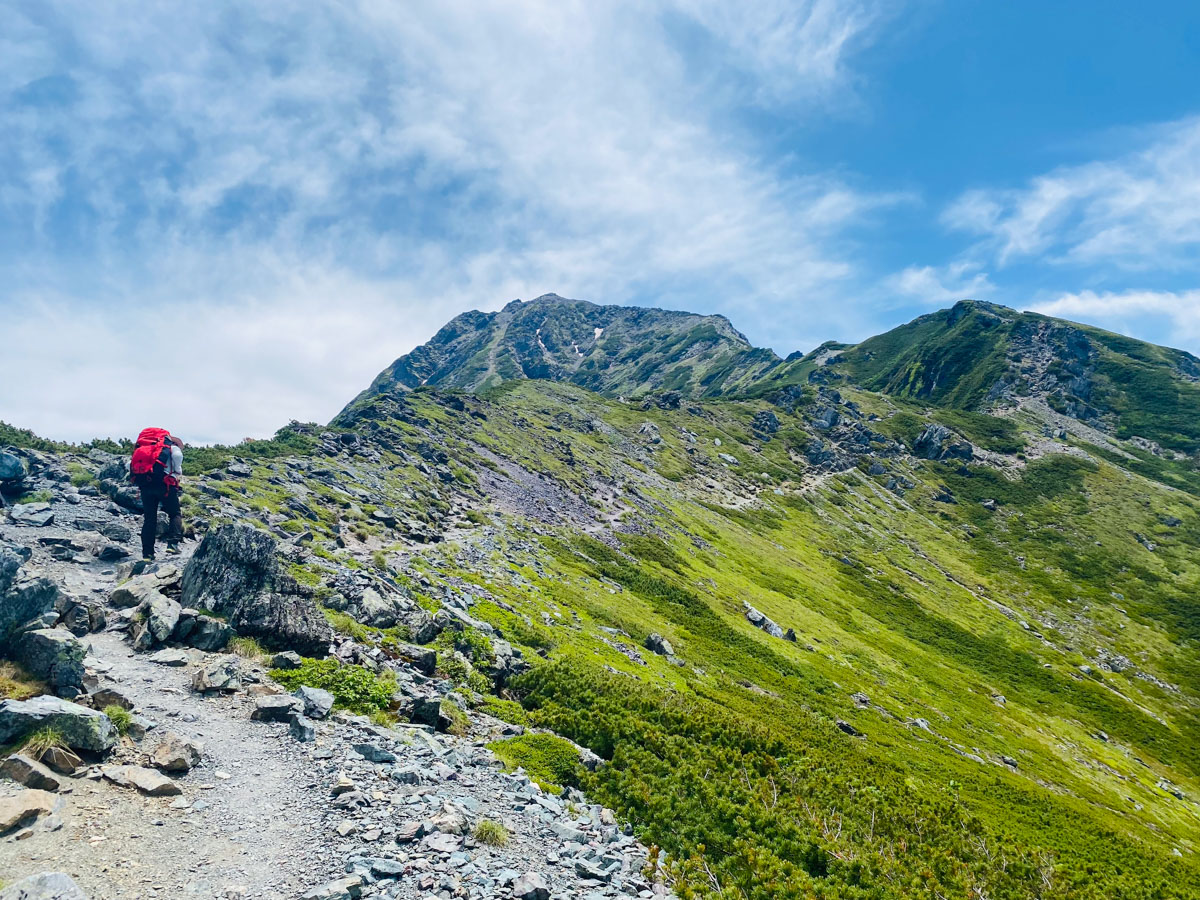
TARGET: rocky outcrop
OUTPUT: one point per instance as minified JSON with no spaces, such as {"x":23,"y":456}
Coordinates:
{"x":81,"y":728}
{"x":24,"y":598}
{"x":937,"y":442}
{"x":236,"y":572}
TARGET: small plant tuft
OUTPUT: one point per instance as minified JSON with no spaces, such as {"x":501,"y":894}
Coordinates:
{"x":249,"y":648}
{"x":491,"y":833}
{"x":121,"y":718}
{"x":42,"y":741}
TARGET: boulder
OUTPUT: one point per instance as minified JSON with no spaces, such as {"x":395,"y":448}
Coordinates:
{"x":24,"y":807}
{"x":103,"y":698}
{"x":30,"y":773}
{"x":12,"y":467}
{"x":150,"y":782}
{"x":277,"y":708}
{"x":37,"y":515}
{"x":80,"y":617}
{"x":317,"y":703}
{"x":656,"y":643}
{"x":154,"y":621}
{"x":423,"y":659}
{"x":236,"y":572}
{"x":224,"y":674}
{"x":302,"y":728}
{"x":45,"y":886}
{"x":175,"y":754}
{"x":531,"y":886}
{"x":80,"y":727}
{"x":288,"y":659}
{"x":426,"y":711}
{"x":52,"y":655}
{"x":759,"y":620}
{"x":205,"y":633}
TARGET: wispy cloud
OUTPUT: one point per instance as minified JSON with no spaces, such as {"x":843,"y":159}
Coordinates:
{"x":190,"y":159}
{"x":1136,"y":212}
{"x":940,"y":285}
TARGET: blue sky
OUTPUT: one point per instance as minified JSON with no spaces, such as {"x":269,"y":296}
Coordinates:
{"x":260,"y":206}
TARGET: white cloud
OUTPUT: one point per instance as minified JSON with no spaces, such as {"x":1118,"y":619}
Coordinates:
{"x":1136,"y":212}
{"x":362,"y":171}
{"x":1172,"y":318}
{"x":940,"y":285}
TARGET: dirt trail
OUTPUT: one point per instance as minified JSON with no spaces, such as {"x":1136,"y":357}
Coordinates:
{"x":248,"y":823}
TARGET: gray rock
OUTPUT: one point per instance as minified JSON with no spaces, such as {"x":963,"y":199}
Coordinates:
{"x":37,"y":515}
{"x":302,"y":728}
{"x":30,"y":773}
{"x":348,"y":888}
{"x":656,"y":643}
{"x":426,"y":711}
{"x":45,"y":886}
{"x":23,"y":598}
{"x":224,"y":674}
{"x":531,"y":886}
{"x":276,"y":708}
{"x":154,"y":621}
{"x":175,"y":753}
{"x":52,"y":655}
{"x":375,"y":754}
{"x":173,"y":658}
{"x":317,"y":703}
{"x":81,"y":728}
{"x":150,"y":782}
{"x":936,"y":442}
{"x":236,"y":572}
{"x":759,"y":620}
{"x":207,"y":634}
{"x":288,"y":659}
{"x":12,"y":467}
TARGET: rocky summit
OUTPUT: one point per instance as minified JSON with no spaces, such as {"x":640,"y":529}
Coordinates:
{"x":583,"y":601}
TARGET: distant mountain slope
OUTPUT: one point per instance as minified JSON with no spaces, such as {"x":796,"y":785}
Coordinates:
{"x":980,"y":355}
{"x":975,"y":356}
{"x":613,"y":350}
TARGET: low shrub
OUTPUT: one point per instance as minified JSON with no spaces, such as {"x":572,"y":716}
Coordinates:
{"x":491,"y":833}
{"x":546,"y":758}
{"x":353,"y":687}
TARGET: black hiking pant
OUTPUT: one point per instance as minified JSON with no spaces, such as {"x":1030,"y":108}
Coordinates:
{"x":152,"y":499}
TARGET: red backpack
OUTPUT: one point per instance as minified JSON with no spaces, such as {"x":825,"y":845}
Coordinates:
{"x":151,"y":457}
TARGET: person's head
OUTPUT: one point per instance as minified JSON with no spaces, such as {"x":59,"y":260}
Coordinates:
{"x":178,"y":442}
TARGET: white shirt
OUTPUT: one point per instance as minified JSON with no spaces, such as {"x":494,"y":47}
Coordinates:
{"x":176,"y":466}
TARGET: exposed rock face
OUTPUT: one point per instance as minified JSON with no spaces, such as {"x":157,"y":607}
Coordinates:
{"x":23,"y":599}
{"x":52,"y":655}
{"x":81,"y":728}
{"x":937,"y":442}
{"x":235,"y":572}
{"x":46,"y":886}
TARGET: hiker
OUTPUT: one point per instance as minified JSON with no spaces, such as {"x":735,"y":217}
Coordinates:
{"x":156,"y":468}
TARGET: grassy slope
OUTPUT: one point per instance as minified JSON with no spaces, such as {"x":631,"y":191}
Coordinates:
{"x":976,"y":623}
{"x":874,"y":584}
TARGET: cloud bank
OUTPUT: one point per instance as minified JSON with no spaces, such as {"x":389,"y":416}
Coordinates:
{"x":214,"y":188}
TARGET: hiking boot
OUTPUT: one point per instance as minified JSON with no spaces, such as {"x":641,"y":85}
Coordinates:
{"x":147,"y":559}
{"x":173,"y":550}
